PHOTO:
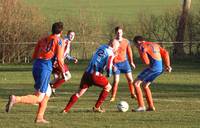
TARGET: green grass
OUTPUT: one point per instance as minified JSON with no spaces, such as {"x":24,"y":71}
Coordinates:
{"x":176,"y":97}
{"x":122,"y":10}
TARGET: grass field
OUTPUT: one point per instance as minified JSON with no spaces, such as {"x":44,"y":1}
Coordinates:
{"x":176,"y":95}
{"x":122,"y":10}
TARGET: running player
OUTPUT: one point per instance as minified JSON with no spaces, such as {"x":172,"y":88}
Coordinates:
{"x":123,"y":60}
{"x":46,"y":49}
{"x":101,"y":60}
{"x":152,"y":55}
{"x":58,"y":77}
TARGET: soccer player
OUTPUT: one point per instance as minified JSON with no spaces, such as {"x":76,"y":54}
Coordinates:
{"x":123,"y":60}
{"x":152,"y":55}
{"x":58,"y":77}
{"x":101,"y":60}
{"x":45,"y":50}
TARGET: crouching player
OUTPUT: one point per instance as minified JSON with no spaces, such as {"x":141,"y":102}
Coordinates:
{"x":60,"y":78}
{"x":46,"y":49}
{"x":152,"y":55}
{"x":101,"y":60}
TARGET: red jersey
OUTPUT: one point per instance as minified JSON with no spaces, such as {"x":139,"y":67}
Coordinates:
{"x":123,"y":52}
{"x":50,"y":47}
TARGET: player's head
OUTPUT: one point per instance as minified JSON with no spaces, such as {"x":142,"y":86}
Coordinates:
{"x":70,"y":35}
{"x":138,"y":40}
{"x":114,"y":43}
{"x":57,"y":28}
{"x":118,"y":32}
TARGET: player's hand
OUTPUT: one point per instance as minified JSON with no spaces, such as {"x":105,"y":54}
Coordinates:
{"x":75,"y":60}
{"x":168,"y":69}
{"x":133,"y":65}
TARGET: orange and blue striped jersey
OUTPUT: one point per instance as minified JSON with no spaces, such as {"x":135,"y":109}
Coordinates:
{"x":49,"y":48}
{"x":123,"y":52}
{"x":152,"y":54}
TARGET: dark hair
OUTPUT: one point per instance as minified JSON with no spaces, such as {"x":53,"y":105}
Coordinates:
{"x":68,"y":32}
{"x":138,"y":38}
{"x":57,"y":27}
{"x":117,"y":28}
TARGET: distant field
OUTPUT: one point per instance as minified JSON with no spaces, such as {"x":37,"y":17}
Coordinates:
{"x":123,"y":10}
{"x":176,"y":98}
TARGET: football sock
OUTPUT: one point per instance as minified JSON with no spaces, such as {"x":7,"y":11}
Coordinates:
{"x":131,"y":88}
{"x":71,"y":102}
{"x":42,"y":108}
{"x":101,"y":99}
{"x":29,"y":99}
{"x":139,"y":94}
{"x":58,"y":83}
{"x":114,"y":90}
{"x":149,"y":97}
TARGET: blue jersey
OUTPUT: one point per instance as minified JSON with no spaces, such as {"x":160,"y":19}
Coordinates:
{"x":101,"y":60}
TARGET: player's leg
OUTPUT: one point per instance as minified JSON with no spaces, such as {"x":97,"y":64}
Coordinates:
{"x":129,"y":78}
{"x":28,"y":99}
{"x":31,"y":99}
{"x":101,"y":81}
{"x":140,"y":100}
{"x":42,"y":107}
{"x":75,"y":97}
{"x":148,"y":96}
{"x":146,"y":85}
{"x":84,"y":85}
{"x":43,"y":86}
{"x":56,"y":78}
{"x":61,"y":80}
{"x":115,"y":86}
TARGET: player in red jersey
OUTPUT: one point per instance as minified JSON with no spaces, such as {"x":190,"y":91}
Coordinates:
{"x":45,"y":51}
{"x":58,"y":77}
{"x":122,"y":61}
{"x":152,"y":55}
{"x":101,"y":60}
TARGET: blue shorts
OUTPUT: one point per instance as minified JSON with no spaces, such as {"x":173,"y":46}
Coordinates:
{"x":41,"y":74}
{"x":148,"y":75}
{"x":122,"y":67}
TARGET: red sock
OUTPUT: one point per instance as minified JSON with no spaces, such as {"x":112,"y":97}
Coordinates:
{"x":71,"y":102}
{"x":58,"y":83}
{"x":101,"y":99}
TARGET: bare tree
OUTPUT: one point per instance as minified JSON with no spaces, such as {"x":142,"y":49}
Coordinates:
{"x":178,"y":47}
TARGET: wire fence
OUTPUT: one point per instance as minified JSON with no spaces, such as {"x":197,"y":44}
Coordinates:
{"x":22,"y":52}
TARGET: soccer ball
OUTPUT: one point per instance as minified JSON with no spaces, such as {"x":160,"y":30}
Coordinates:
{"x":122,"y":106}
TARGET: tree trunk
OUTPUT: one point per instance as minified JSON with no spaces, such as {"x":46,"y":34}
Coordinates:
{"x":178,"y":47}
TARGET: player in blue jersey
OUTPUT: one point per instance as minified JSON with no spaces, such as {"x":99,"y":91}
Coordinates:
{"x":101,"y":60}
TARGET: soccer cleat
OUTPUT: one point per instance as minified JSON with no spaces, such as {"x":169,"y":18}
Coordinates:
{"x":100,"y":110}
{"x":112,"y":99}
{"x":133,"y":96}
{"x":42,"y":121}
{"x":151,"y":109}
{"x":10,"y":103}
{"x":64,"y":111}
{"x":140,"y":109}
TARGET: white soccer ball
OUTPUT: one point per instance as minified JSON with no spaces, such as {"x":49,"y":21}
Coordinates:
{"x":122,"y":106}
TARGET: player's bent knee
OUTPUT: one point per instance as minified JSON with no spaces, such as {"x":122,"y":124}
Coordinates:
{"x":108,"y":87}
